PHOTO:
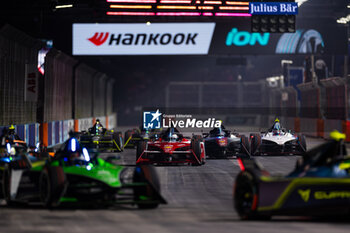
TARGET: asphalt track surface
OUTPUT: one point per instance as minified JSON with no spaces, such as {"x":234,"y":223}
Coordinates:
{"x":199,"y":200}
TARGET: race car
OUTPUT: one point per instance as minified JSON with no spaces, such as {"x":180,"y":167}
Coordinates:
{"x":74,"y":176}
{"x":101,"y":139}
{"x":171,"y":147}
{"x":319,"y":185}
{"x":222,"y":143}
{"x":277,"y":141}
{"x":9,"y":135}
{"x":136,"y":135}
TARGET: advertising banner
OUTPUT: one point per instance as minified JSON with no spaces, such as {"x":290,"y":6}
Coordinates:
{"x":31,"y":83}
{"x":236,"y":39}
{"x":142,"y":39}
{"x":232,"y":38}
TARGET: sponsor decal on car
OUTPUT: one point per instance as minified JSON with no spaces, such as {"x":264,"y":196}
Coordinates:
{"x":323,"y":195}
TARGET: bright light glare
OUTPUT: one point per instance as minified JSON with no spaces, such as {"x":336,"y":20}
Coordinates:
{"x":86,"y":154}
{"x":300,"y":2}
{"x":64,"y":6}
{"x":344,"y":20}
{"x":73,"y":145}
{"x":8,"y":146}
{"x":37,"y":147}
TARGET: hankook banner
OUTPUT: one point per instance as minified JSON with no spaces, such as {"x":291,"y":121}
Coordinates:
{"x":142,"y":39}
{"x":232,"y":38}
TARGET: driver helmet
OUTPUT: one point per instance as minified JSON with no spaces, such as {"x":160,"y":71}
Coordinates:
{"x":277,"y":125}
{"x":174,"y":137}
{"x":12,"y":151}
{"x":98,"y":127}
{"x":11,"y":129}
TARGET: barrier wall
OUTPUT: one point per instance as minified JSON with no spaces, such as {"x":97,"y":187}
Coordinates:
{"x":18,"y":58}
{"x":58,"y":82}
{"x":310,"y":100}
{"x":289,"y":102}
{"x":65,"y":92}
{"x":109,"y":96}
{"x":83,"y":93}
{"x":56,"y":132}
{"x":335,"y":98}
{"x":99,"y":93}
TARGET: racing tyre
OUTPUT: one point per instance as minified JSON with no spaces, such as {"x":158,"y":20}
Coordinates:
{"x":196,"y":148}
{"x":302,"y":142}
{"x":245,"y":147}
{"x":254,"y":143}
{"x":127,"y":135}
{"x":52,"y":185}
{"x":151,"y":191}
{"x":141,"y":147}
{"x":245,"y":198}
{"x":118,"y":139}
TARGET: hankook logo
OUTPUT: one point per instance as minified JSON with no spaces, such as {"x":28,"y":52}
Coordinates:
{"x":99,"y":38}
{"x":142,"y":39}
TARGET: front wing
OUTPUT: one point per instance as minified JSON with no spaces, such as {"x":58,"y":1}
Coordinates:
{"x":159,"y":157}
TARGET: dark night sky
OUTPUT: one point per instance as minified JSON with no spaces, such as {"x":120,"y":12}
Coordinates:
{"x":141,"y":79}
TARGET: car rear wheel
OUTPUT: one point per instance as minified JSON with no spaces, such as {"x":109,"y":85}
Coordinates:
{"x":197,"y":150}
{"x":141,"y":147}
{"x":245,"y":147}
{"x":245,"y":198}
{"x":127,"y":137}
{"x":51,"y":186}
{"x":302,"y":142}
{"x":254,"y":143}
{"x":118,"y":139}
{"x":151,"y":191}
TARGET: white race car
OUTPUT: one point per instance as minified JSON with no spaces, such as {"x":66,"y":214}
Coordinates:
{"x":277,"y":142}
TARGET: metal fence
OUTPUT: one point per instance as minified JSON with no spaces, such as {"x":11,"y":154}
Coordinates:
{"x":215,"y":94}
{"x":18,"y":51}
{"x":67,"y":90}
{"x":83,"y":91}
{"x":58,"y":81}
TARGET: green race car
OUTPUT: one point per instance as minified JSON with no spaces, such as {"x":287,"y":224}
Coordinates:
{"x":73,"y":175}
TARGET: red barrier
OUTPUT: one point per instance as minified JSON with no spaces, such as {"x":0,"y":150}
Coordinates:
{"x":76,"y":125}
{"x":43,"y":134}
{"x":320,"y":128}
{"x":297,"y":124}
{"x":346,"y":130}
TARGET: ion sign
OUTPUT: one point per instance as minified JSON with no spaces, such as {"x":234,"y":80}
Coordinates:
{"x":142,"y":39}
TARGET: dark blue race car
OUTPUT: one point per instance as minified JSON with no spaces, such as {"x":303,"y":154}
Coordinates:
{"x":222,"y":143}
{"x":319,"y":185}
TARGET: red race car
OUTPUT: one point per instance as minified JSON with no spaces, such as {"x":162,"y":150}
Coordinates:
{"x":171,"y":147}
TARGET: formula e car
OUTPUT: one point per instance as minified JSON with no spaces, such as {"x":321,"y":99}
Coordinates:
{"x":102,"y":139}
{"x":277,"y":141}
{"x":9,"y":136}
{"x":134,"y":136}
{"x":222,"y":143}
{"x":171,"y":147}
{"x":73,"y":175}
{"x":319,"y":185}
